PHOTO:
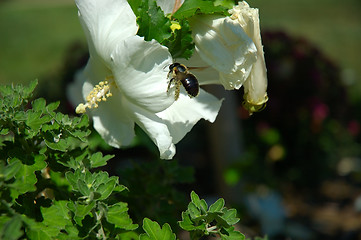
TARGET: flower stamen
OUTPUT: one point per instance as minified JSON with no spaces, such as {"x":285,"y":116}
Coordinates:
{"x":99,"y":93}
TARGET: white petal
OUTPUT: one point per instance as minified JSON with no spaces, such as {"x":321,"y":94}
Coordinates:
{"x":222,"y":44}
{"x":168,"y":5}
{"x":203,"y":72}
{"x":111,"y":119}
{"x":186,"y":112}
{"x":106,"y":22}
{"x":256,"y":85}
{"x":140,"y":71}
{"x":156,"y":129}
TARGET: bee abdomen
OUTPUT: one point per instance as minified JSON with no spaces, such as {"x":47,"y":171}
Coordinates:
{"x":190,"y":83}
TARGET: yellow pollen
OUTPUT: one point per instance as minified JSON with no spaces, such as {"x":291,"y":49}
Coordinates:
{"x":99,"y":93}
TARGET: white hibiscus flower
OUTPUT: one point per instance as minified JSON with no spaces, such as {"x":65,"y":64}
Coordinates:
{"x":125,"y":82}
{"x":228,"y":51}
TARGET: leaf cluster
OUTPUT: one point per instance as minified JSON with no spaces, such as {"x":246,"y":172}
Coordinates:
{"x":47,"y":190}
{"x":154,"y":24}
{"x":201,"y":220}
{"x":51,"y":186}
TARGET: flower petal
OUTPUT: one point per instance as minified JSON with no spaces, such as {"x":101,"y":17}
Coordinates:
{"x":105,"y":23}
{"x":255,"y":87}
{"x":140,"y":71}
{"x":156,"y":129}
{"x":204,"y":73}
{"x":186,"y":112}
{"x":111,"y":119}
{"x":168,"y":6}
{"x":222,"y":44}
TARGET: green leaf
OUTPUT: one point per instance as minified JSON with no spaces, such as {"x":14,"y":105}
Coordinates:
{"x":217,"y":206}
{"x":186,"y":223}
{"x":83,"y":187}
{"x":28,"y":90}
{"x":37,"y":234}
{"x":152,"y":22}
{"x":52,"y":107}
{"x":56,"y":215}
{"x":191,"y":7}
{"x":12,"y":169}
{"x":105,"y":189}
{"x":155,"y":232}
{"x":231,"y":234}
{"x":98,"y":160}
{"x":230,"y":216}
{"x":180,"y":44}
{"x":39,"y":105}
{"x":117,"y":214}
{"x":12,"y":228}
{"x":195,"y":199}
{"x":194,"y":212}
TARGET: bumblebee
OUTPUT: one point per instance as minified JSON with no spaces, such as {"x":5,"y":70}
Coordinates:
{"x":180,"y":75}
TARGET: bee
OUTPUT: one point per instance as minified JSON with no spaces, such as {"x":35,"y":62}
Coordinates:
{"x":180,"y":75}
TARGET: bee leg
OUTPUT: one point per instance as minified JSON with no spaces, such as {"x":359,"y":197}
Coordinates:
{"x":177,"y":90}
{"x":169,"y":84}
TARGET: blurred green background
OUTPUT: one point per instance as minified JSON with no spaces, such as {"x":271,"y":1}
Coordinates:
{"x":35,"y":34}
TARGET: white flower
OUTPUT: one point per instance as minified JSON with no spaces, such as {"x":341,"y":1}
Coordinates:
{"x":256,"y":85}
{"x":125,"y":82}
{"x":228,"y":51}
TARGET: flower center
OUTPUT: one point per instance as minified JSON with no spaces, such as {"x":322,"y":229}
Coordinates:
{"x":99,"y":93}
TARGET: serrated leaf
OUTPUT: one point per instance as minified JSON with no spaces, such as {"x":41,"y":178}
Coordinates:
{"x":28,"y":90}
{"x":186,"y":223}
{"x":194,"y":212}
{"x":12,"y":169}
{"x":117,"y":214}
{"x":60,"y":145}
{"x":192,"y":7}
{"x":230,"y":216}
{"x":180,"y":44}
{"x":231,"y":234}
{"x":195,"y":199}
{"x":52,"y":107}
{"x":152,"y":22}
{"x":81,"y":211}
{"x":56,"y":215}
{"x":37,"y":234}
{"x":105,"y":189}
{"x":155,"y":232}
{"x":217,"y":206}
{"x":39,"y":104}
{"x":98,"y":160}
{"x":12,"y":228}
{"x":73,"y":178}
{"x":203,"y":206}
{"x":83,"y":187}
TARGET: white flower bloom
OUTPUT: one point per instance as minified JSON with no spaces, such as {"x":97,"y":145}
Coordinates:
{"x":223,"y":45}
{"x":228,"y":51}
{"x":125,"y":82}
{"x":256,"y":85}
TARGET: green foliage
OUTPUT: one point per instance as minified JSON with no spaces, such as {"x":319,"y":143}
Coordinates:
{"x":192,"y":7}
{"x":201,"y":220}
{"x":154,"y":24}
{"x":154,"y":232}
{"x":46,"y":186}
{"x":50,"y":187}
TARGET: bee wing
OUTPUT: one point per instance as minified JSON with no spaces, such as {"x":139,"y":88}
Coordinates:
{"x":197,"y":68}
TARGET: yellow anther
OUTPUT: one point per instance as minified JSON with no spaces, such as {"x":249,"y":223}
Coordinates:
{"x":175,"y":26}
{"x":99,"y":93}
